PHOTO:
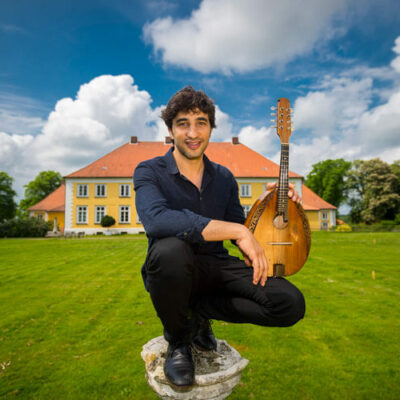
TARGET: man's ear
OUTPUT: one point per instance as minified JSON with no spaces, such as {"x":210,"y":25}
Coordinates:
{"x":171,"y":135}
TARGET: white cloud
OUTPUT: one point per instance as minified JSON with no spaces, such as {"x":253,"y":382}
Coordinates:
{"x":104,"y":114}
{"x":242,"y":35}
{"x":396,"y":62}
{"x":263,"y":140}
{"x":109,"y":109}
{"x":336,"y":107}
{"x":18,"y":114}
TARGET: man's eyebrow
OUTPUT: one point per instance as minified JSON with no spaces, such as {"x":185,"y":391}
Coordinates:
{"x":181,"y":120}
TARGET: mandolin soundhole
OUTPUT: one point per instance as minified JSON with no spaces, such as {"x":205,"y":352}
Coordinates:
{"x":279,"y":222}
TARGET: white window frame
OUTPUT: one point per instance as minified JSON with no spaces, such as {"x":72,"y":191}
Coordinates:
{"x":85,"y":211}
{"x":246,"y":209}
{"x":245,"y":190}
{"x":96,"y":213}
{"x":82,"y":190}
{"x":124,"y":190}
{"x":324,"y":215}
{"x":98,"y":188}
{"x":122,"y":218}
{"x":138,"y":221}
{"x":325,"y":226}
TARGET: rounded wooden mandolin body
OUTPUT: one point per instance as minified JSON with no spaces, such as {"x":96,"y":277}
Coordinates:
{"x":286,"y":243}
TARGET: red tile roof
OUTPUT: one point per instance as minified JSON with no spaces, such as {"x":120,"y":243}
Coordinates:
{"x":55,"y":201}
{"x":238,"y":158}
{"x":312,"y":201}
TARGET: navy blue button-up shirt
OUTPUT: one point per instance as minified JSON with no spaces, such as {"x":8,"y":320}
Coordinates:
{"x":169,"y":204}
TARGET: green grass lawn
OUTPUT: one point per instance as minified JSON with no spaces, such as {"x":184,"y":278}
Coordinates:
{"x":74,"y":316}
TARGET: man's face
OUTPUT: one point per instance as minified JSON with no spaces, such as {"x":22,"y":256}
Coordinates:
{"x":191,"y":133}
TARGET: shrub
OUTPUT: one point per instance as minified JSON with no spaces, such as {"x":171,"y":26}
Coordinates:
{"x":385,"y":222}
{"x":107,"y":221}
{"x":343,"y":228}
{"x":23,"y":227}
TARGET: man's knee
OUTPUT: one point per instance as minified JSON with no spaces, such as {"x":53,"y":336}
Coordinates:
{"x":169,"y":257}
{"x":295,"y":307}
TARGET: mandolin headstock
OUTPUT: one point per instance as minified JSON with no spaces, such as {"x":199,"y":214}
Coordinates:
{"x":283,"y":119}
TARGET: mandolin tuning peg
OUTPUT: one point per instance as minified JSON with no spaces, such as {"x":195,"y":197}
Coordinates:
{"x":273,"y":108}
{"x":272,"y":120}
{"x":273,"y":114}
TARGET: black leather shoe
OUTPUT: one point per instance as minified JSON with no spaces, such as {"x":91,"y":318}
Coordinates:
{"x":179,"y":366}
{"x":203,"y":337}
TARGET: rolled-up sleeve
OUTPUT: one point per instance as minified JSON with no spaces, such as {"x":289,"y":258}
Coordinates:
{"x":158,"y":219}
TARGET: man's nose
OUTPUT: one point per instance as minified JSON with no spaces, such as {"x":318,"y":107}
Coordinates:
{"x":192,"y":131}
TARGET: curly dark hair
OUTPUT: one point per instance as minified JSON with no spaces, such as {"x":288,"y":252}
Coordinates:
{"x":188,"y":99}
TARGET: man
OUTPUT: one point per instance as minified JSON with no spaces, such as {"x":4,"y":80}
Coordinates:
{"x":188,"y":206}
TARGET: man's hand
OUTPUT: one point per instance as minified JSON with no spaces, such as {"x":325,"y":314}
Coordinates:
{"x":292,"y":193}
{"x":253,"y":256}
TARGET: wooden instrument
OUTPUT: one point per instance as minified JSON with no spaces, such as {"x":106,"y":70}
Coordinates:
{"x":278,"y":223}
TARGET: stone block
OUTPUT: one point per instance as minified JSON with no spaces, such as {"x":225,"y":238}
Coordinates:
{"x":216,"y":372}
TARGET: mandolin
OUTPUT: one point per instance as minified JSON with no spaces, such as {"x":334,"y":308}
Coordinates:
{"x":278,"y":223}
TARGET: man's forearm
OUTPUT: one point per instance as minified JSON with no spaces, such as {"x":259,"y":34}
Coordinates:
{"x":221,"y":230}
{"x":253,"y":252}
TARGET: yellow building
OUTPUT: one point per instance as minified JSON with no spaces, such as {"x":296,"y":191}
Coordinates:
{"x":105,"y":187}
{"x":51,"y":208}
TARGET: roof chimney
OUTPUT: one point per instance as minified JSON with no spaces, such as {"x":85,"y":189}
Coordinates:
{"x":235,"y":140}
{"x":134,"y":139}
{"x":168,"y":140}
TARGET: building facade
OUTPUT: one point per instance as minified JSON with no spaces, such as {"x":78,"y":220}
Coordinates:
{"x":105,"y":187}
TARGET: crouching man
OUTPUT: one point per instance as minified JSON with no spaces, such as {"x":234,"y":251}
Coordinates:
{"x":188,"y":206}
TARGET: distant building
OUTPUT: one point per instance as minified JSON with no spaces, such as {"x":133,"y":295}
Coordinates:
{"x":51,"y":207}
{"x":105,"y":186}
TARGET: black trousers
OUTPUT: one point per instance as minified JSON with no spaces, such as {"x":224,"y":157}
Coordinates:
{"x":182,"y":282}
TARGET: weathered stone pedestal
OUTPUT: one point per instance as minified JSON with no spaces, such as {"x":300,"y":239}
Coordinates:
{"x":217,"y":372}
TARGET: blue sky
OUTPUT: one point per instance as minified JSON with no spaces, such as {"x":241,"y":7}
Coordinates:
{"x":77,"y":78}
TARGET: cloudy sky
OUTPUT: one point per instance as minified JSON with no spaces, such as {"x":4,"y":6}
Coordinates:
{"x":78,"y":78}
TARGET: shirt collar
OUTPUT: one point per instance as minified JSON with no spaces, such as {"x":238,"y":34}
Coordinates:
{"x":173,"y":169}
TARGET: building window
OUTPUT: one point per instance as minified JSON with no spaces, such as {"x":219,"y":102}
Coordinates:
{"x":325,"y":226}
{"x":124,"y":190}
{"x":124,"y":214}
{"x":83,"y":191}
{"x":246,"y":209}
{"x":82,"y":215}
{"x":40,"y":216}
{"x":245,"y":190}
{"x":101,"y":191}
{"x":99,"y":212}
{"x":324,"y":215}
{"x":138,"y":221}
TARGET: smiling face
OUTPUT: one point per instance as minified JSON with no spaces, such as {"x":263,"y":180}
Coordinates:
{"x":191,"y":132}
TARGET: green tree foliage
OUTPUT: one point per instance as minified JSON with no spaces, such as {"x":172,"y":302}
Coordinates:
{"x":7,"y":203}
{"x":395,"y":168}
{"x":23,"y":227}
{"x":327,"y":178}
{"x":44,"y":184}
{"x":371,"y":187}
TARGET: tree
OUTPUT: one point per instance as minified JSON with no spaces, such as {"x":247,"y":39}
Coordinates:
{"x":395,"y":168}
{"x":44,"y":184}
{"x":327,"y":178}
{"x":7,"y":203}
{"x":371,"y":187}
